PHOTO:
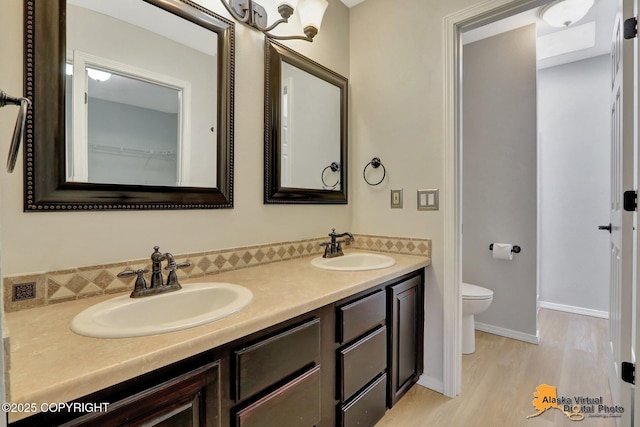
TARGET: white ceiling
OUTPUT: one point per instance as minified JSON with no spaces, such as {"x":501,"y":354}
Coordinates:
{"x":156,"y":20}
{"x":351,"y":3}
{"x":569,"y":44}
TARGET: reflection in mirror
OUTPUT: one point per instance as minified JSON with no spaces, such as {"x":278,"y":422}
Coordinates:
{"x":131,"y":143}
{"x":141,"y":115}
{"x":128,"y":138}
{"x":310,"y":119}
{"x":306,"y":130}
{"x":141,"y":125}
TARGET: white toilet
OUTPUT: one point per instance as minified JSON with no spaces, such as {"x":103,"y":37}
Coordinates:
{"x":475,"y":299}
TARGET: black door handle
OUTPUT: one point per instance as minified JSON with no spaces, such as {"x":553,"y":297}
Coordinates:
{"x":605,"y":227}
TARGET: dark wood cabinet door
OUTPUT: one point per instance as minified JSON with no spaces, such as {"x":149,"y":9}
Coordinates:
{"x":406,"y":335}
{"x":189,"y":400}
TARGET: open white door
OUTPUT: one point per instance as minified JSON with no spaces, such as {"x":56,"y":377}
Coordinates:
{"x":636,"y":295}
{"x":622,"y":222}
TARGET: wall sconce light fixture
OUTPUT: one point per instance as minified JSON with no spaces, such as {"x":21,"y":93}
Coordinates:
{"x":562,"y":13}
{"x":251,"y":13}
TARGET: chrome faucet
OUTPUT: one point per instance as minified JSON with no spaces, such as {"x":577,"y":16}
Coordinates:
{"x":333,"y":248}
{"x":158,"y":285}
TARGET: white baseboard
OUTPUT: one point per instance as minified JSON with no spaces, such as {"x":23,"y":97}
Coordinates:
{"x":508,"y":333}
{"x":576,"y":310}
{"x":431,"y":383}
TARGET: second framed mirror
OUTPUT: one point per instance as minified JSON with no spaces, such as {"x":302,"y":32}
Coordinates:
{"x":305,"y":129}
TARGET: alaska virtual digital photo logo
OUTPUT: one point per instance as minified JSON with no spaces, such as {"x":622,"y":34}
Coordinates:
{"x":576,"y":408}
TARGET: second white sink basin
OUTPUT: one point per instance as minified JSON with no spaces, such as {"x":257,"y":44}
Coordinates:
{"x":358,"y":261}
{"x":193,"y":305}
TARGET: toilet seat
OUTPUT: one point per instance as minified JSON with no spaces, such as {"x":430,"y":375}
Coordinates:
{"x":475,"y":292}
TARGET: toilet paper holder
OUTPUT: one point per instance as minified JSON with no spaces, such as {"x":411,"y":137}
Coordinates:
{"x":515,"y":249}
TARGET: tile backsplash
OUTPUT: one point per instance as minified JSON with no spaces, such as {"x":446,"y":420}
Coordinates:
{"x":84,"y":282}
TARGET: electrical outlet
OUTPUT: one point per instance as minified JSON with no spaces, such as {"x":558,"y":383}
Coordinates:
{"x":428,"y":200}
{"x":396,"y":199}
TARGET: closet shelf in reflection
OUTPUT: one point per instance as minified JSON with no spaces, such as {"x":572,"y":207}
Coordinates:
{"x":141,"y":152}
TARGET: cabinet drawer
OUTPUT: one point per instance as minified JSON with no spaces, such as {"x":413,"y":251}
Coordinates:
{"x":368,"y":407}
{"x":268,"y":361}
{"x":358,"y":317}
{"x":297,"y":403}
{"x":361,"y":362}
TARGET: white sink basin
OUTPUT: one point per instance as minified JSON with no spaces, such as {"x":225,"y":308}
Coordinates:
{"x":193,"y":305}
{"x":358,"y":261}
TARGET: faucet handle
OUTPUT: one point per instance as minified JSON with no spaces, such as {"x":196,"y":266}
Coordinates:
{"x":130,"y":273}
{"x":172,"y":278}
{"x":176,"y":266}
{"x":140,"y":285}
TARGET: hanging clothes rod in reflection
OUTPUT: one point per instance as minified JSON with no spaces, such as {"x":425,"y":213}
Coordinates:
{"x":18,"y":130}
{"x":142,"y":152}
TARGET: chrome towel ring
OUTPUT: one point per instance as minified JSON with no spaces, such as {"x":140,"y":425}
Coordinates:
{"x":335,"y":167}
{"x":374,"y":163}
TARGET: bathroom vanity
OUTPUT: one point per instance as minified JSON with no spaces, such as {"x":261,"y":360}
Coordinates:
{"x":314,"y":348}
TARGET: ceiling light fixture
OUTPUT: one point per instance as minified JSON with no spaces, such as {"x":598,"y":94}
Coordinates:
{"x":251,"y":13}
{"x":562,"y":13}
{"x":98,"y":75}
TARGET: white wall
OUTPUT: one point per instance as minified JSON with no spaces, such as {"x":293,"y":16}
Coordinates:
{"x":112,"y":124}
{"x":574,"y":126}
{"x":499,"y":176}
{"x":37,"y":242}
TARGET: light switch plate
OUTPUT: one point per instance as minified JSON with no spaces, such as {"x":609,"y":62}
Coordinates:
{"x":428,"y":200}
{"x":396,"y":199}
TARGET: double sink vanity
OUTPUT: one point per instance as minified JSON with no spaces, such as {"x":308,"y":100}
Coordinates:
{"x":300,"y":344}
{"x":308,"y":341}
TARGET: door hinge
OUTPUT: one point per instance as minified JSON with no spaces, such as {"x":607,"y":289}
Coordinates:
{"x":628,"y":373}
{"x":631,"y":28}
{"x":630,"y":201}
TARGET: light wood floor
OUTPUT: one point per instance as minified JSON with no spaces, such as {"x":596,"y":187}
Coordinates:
{"x":499,"y":379}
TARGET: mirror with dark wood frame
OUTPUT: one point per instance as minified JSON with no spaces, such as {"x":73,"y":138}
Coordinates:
{"x":305,"y":130}
{"x":58,"y":178}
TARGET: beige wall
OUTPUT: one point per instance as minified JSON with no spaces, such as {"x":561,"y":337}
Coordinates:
{"x":397,"y":114}
{"x":38,"y":242}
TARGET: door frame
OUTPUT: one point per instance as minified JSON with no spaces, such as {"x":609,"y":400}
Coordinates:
{"x":453,"y":26}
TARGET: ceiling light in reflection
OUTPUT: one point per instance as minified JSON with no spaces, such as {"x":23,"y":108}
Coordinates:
{"x":98,"y":75}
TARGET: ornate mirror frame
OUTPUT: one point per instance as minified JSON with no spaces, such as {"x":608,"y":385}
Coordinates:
{"x":274,"y":192}
{"x":45,"y":186}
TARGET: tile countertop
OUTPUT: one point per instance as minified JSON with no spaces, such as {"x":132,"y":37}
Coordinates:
{"x":49,"y":363}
